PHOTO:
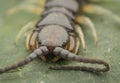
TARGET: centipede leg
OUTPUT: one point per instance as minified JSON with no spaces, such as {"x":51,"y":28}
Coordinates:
{"x":28,"y":41}
{"x":94,"y":9}
{"x":88,"y":22}
{"x":81,"y":35}
{"x":31,"y":41}
{"x":77,"y":45}
{"x":24,"y":29}
{"x":31,"y":8}
{"x":37,"y":2}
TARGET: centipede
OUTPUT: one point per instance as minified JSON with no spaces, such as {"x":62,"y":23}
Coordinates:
{"x":58,"y":34}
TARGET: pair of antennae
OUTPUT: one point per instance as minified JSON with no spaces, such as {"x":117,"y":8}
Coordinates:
{"x":63,"y":54}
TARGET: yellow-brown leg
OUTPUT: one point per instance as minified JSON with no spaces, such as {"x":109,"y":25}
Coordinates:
{"x":25,"y":28}
{"x":77,"y":46}
{"x":34,"y":6}
{"x":74,"y":44}
{"x":94,"y":9}
{"x":41,"y":3}
{"x":88,"y":22}
{"x":28,"y":41}
{"x":31,"y":8}
{"x":80,"y":35}
{"x":32,"y":41}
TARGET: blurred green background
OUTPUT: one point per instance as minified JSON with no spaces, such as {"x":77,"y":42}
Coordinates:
{"x":108,"y":49}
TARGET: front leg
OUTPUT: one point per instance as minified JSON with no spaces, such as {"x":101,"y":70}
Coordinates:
{"x":32,"y":41}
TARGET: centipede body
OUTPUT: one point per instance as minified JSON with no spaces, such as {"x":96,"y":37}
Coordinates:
{"x":54,"y":37}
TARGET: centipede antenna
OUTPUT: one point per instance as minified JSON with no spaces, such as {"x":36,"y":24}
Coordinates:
{"x":70,"y":56}
{"x":37,"y":53}
{"x":19,"y":64}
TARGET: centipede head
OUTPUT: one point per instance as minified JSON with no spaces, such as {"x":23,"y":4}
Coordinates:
{"x":53,"y":36}
{"x":56,"y":44}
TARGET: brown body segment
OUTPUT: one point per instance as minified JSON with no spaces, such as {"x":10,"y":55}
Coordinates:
{"x":72,"y":6}
{"x":56,"y":19}
{"x":59,"y":10}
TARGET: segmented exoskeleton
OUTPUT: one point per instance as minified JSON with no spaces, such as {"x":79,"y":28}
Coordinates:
{"x":54,"y":37}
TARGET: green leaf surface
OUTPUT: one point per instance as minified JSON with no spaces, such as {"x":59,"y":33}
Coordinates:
{"x":108,"y":49}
